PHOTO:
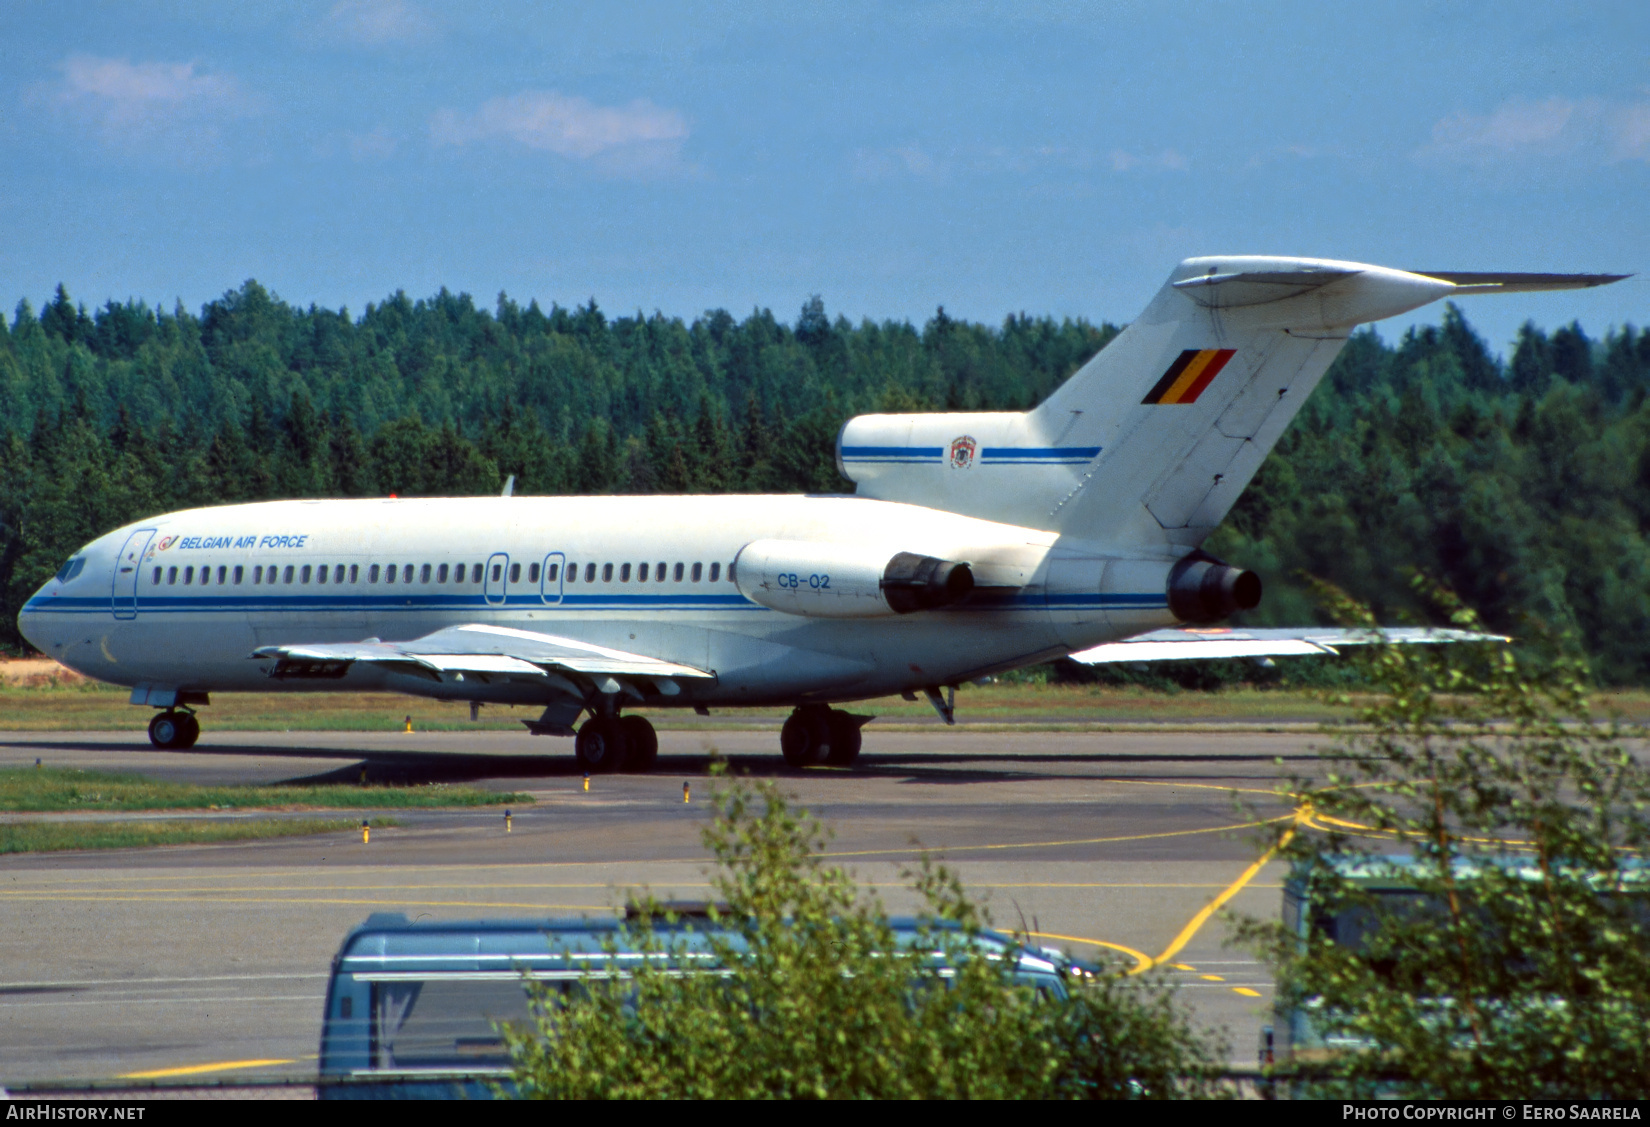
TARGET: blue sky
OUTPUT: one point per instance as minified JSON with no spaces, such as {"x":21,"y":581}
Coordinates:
{"x":1046,"y":157}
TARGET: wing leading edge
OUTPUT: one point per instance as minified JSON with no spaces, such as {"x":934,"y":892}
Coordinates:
{"x":1183,"y":645}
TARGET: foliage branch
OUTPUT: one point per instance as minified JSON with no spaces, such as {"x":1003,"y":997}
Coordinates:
{"x":815,"y":997}
{"x":1508,"y":956}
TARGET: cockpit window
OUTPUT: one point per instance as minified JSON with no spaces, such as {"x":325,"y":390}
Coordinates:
{"x":71,"y":569}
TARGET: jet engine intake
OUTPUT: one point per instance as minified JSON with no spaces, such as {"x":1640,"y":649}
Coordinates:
{"x":844,"y":581}
{"x":1202,"y":589}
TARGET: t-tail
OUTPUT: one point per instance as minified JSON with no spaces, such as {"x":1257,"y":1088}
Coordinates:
{"x":1145,"y":448}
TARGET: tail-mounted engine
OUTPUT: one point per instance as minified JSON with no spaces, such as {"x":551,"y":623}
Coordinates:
{"x":1202,"y":589}
{"x":841,"y":581}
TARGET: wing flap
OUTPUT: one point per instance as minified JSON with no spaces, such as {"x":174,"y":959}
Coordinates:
{"x":483,"y":650}
{"x":1187,"y":645}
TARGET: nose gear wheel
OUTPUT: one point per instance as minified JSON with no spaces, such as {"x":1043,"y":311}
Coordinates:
{"x":174,"y":730}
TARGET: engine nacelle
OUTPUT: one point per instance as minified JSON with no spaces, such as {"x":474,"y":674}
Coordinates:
{"x":1202,"y":589}
{"x":846,"y":581}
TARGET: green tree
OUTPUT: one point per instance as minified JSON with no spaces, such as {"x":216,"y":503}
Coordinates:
{"x":816,"y":999}
{"x":1518,"y":966}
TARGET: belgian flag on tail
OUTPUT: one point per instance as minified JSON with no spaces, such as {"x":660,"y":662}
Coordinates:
{"x":1189,"y":375}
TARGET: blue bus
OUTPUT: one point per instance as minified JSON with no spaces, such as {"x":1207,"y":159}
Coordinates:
{"x":412,"y":1009}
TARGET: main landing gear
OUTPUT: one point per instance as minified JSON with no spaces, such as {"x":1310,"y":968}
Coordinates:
{"x":174,"y":729}
{"x":814,"y":734}
{"x":616,"y":743}
{"x":817,"y":734}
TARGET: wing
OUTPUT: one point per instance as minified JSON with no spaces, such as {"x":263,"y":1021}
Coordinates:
{"x":1181,"y":645}
{"x":486,"y":653}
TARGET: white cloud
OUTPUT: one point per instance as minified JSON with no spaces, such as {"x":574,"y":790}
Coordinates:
{"x":901,"y":160}
{"x":1631,"y":133}
{"x":366,"y":148}
{"x":376,"y":23}
{"x":1122,"y":161}
{"x":1588,"y":130}
{"x":163,"y":108}
{"x":119,"y":93}
{"x":1514,"y":126}
{"x":628,"y":138}
{"x":989,"y":160}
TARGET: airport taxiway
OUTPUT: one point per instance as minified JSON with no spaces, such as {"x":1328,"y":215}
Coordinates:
{"x":211,"y":960}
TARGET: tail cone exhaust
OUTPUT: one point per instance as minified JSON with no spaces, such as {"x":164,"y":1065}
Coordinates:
{"x":912,"y":582}
{"x":1202,"y":589}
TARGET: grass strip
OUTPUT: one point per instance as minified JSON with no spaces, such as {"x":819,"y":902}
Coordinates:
{"x":47,"y":837}
{"x":90,"y":706}
{"x":40,"y":789}
{"x":95,"y":707}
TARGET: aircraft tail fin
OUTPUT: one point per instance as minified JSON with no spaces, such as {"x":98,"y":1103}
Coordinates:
{"x":1149,"y":444}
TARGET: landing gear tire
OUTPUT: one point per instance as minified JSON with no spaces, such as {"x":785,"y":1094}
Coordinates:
{"x":174,"y":730}
{"x":600,"y":745}
{"x":643,"y":744}
{"x":806,"y":737}
{"x":845,"y":739}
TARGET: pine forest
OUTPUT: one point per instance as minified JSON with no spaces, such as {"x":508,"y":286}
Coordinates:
{"x":1521,"y":483}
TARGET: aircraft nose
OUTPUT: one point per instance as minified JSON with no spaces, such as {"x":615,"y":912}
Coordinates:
{"x":32,"y":624}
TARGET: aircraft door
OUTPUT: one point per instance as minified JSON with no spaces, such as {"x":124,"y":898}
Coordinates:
{"x":550,"y":583}
{"x":496,"y":580}
{"x":128,"y":570}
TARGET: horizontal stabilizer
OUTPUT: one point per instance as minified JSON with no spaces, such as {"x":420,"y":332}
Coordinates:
{"x":1468,"y":282}
{"x":1228,"y":289}
{"x":1186,"y":645}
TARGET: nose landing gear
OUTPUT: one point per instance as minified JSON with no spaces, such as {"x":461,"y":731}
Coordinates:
{"x":174,"y":729}
{"x":817,"y":734}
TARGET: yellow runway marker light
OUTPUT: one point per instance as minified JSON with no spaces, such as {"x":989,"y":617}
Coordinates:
{"x":409,"y":723}
{"x":366,"y":830}
{"x":686,"y":794}
{"x":506,"y":821}
{"x":587,"y":782}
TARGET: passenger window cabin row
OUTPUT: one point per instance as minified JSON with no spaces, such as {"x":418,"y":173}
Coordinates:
{"x":660,"y":572}
{"x":441,"y":573}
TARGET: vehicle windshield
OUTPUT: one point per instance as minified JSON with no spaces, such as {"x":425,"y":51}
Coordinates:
{"x":1412,"y":917}
{"x":410,"y":1001}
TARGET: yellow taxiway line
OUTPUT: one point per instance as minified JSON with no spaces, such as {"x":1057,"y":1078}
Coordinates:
{"x":214,"y":1066}
{"x":1196,"y":922}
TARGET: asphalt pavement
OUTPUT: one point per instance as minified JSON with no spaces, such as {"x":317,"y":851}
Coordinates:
{"x":211,"y":961}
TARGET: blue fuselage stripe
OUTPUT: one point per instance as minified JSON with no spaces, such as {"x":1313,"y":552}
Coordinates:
{"x":995,"y":455}
{"x":892,"y":453}
{"x":344,"y":604}
{"x":1038,"y":453}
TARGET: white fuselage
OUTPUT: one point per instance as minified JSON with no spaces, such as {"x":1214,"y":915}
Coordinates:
{"x":182,"y":600}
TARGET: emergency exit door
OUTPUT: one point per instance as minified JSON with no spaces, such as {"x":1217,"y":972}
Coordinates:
{"x":128,"y":570}
{"x":496,"y":582}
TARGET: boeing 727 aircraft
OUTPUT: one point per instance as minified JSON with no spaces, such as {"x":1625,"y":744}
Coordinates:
{"x":975,"y":543}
